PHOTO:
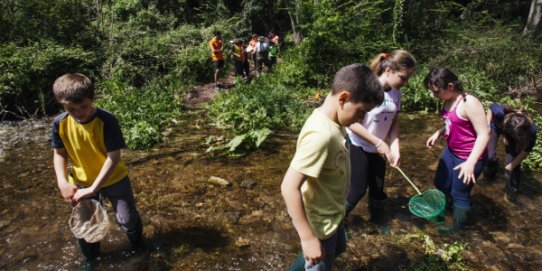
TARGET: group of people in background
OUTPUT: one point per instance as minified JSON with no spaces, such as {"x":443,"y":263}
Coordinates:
{"x":259,"y":50}
{"x":328,"y":175}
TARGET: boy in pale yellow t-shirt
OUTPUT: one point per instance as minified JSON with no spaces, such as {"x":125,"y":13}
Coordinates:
{"x":314,"y":187}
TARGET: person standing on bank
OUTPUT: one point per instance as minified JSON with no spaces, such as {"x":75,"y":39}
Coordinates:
{"x":375,"y":138}
{"x":217,"y":48}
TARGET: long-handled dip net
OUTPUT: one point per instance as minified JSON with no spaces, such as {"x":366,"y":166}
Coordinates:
{"x":428,"y":204}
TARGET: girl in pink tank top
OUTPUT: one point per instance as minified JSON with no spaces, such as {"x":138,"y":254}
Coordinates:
{"x":466,"y":133}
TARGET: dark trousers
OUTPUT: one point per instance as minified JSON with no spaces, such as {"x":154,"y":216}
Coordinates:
{"x":332,"y":247}
{"x":367,"y":171}
{"x":122,"y":199}
{"x":447,"y":181}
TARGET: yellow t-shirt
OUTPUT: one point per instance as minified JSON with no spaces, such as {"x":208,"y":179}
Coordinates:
{"x":323,"y":158}
{"x":87,"y":145}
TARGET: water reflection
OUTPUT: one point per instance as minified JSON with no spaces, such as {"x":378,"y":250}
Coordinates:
{"x":192,"y":224}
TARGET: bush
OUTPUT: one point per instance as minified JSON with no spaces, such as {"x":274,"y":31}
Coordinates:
{"x":142,"y":112}
{"x":27,"y":74}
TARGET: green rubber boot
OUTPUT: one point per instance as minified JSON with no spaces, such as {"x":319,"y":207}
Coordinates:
{"x":377,"y":210}
{"x":460,"y":217}
{"x":299,"y":263}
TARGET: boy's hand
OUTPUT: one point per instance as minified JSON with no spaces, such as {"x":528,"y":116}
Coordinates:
{"x":312,"y":250}
{"x":68,"y":190}
{"x":466,"y":172}
{"x":83,"y":193}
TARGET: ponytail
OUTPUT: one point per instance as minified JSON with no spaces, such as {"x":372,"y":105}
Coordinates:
{"x":396,"y":60}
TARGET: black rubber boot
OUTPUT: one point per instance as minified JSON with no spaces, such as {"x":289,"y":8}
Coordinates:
{"x":136,"y":235}
{"x":377,"y":209}
{"x":90,"y":251}
{"x":491,"y":169}
{"x":512,"y":186}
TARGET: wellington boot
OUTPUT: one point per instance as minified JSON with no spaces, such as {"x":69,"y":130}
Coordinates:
{"x":90,"y":251}
{"x":460,"y":217}
{"x":136,"y":236}
{"x":377,"y":210}
{"x":512,"y":186}
{"x":299,"y":263}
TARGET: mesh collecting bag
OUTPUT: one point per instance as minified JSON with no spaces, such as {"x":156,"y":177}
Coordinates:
{"x":428,"y":204}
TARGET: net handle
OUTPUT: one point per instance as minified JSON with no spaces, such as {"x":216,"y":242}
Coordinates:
{"x":404,"y":175}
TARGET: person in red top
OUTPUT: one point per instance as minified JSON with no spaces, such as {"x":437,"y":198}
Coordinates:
{"x":217,"y":46}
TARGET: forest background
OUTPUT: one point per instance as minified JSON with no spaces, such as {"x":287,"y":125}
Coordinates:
{"x":143,"y":56}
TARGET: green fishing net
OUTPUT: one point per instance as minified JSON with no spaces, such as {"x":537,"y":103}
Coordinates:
{"x":428,"y":204}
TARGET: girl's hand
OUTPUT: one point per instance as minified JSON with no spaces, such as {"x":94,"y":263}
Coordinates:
{"x":431,"y":141}
{"x":312,"y":250}
{"x":466,"y":171}
{"x":384,"y":150}
{"x":396,"y":160}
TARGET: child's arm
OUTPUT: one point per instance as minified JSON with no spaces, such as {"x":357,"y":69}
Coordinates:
{"x":381,"y":146}
{"x":517,"y":161}
{"x":113,"y":158}
{"x":431,"y":141}
{"x":394,"y":141}
{"x":291,"y":192}
{"x":60,"y":161}
{"x":475,"y":113}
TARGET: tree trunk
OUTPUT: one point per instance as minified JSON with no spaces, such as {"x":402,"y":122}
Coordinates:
{"x":295,"y":19}
{"x":533,"y":25}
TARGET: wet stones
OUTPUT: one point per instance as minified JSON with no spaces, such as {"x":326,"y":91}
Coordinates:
{"x":220,"y":181}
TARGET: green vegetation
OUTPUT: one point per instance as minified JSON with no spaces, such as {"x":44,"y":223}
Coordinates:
{"x":144,"y":54}
{"x":437,"y":256}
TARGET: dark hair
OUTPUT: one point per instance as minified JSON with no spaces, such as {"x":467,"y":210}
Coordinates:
{"x":73,"y":88}
{"x":396,"y":60}
{"x":217,"y":33}
{"x":517,"y":125}
{"x":361,"y":82}
{"x":441,"y":77}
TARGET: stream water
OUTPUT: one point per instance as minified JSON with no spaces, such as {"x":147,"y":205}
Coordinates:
{"x":193,"y":224}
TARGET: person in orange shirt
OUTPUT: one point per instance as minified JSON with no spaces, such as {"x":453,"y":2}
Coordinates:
{"x":217,"y":46}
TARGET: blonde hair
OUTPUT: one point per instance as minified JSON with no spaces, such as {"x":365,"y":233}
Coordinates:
{"x":73,"y":88}
{"x":396,"y":60}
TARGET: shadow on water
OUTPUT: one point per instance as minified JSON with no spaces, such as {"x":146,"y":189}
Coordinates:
{"x":397,"y":258}
{"x":488,"y":215}
{"x":182,"y":242}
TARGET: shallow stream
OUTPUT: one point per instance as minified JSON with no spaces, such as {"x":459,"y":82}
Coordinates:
{"x":193,"y":224}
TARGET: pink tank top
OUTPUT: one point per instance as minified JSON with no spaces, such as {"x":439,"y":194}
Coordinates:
{"x":460,"y":134}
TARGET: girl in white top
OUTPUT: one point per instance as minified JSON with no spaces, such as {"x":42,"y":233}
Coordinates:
{"x":375,"y":139}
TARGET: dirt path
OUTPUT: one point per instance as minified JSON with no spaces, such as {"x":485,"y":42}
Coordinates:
{"x":204,"y":93}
